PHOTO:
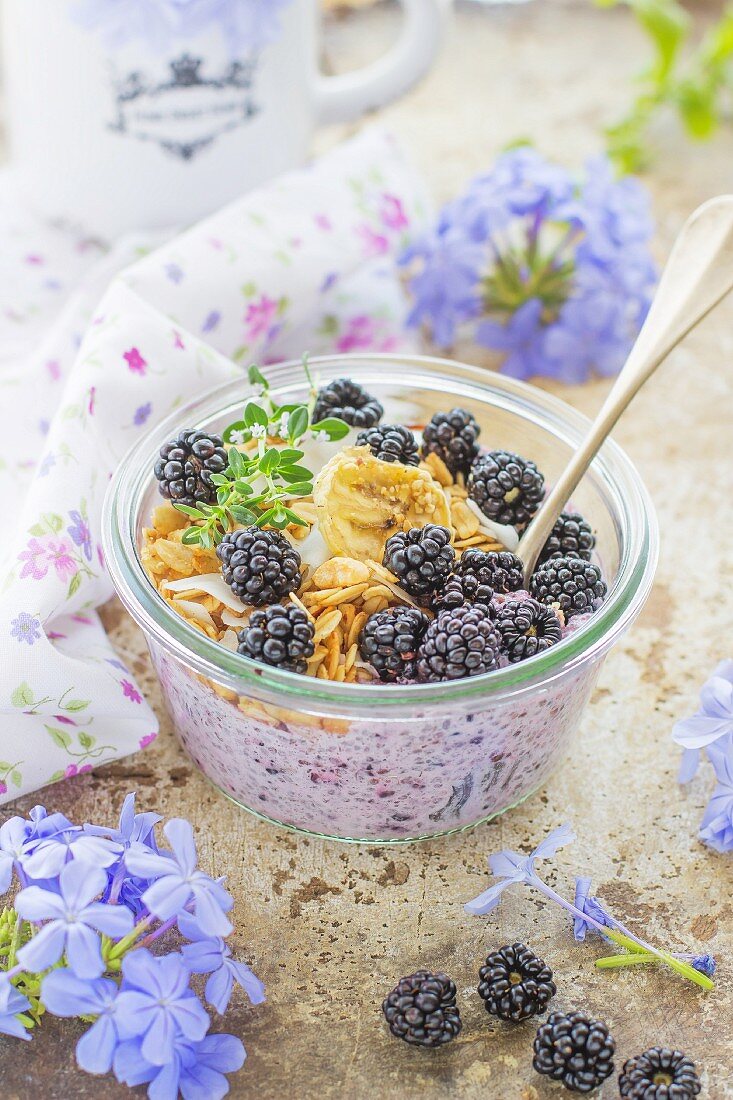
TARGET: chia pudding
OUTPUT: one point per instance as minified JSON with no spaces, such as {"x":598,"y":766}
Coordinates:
{"x":343,"y":634}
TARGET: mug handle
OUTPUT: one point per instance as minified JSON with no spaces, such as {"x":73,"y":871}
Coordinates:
{"x":345,"y":97}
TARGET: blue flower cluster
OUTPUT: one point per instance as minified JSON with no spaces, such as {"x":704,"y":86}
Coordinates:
{"x":92,"y":902}
{"x":553,"y":272}
{"x":711,"y":729}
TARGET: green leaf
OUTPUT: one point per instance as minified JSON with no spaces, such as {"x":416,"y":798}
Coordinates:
{"x":15,"y":778}
{"x":266,"y":517}
{"x":219,"y":479}
{"x":22,"y":696}
{"x":667,"y":24}
{"x":37,"y":530}
{"x":192,"y":537}
{"x":86,"y":740}
{"x":52,"y":521}
{"x":242,"y":515}
{"x":333,"y":427}
{"x":75,"y":705}
{"x":237,"y":462}
{"x":243,"y":488}
{"x":288,"y":455}
{"x":295,"y":518}
{"x":255,"y":414}
{"x":298,"y":423}
{"x":55,"y":777}
{"x":59,"y":737}
{"x":74,"y":585}
{"x":301,"y":489}
{"x":270,"y":461}
{"x":295,"y":473}
{"x":194,"y":513}
{"x":697,"y":107}
{"x":206,"y":540}
{"x":256,"y":377}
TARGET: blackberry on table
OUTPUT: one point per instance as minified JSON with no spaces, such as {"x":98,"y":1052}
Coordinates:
{"x":515,"y":984}
{"x":347,"y":400}
{"x":501,"y":569}
{"x":462,"y":589}
{"x":259,"y":566}
{"x":422,"y":1010}
{"x":452,"y":437}
{"x":526,"y":627}
{"x":185,"y":465}
{"x":507,"y":488}
{"x":576,"y":586}
{"x":659,"y":1074}
{"x":278,"y":636}
{"x":458,"y":643}
{"x":574,"y":1049}
{"x":421,"y":558}
{"x":390,"y":443}
{"x":389,"y":641}
{"x":571,"y":537}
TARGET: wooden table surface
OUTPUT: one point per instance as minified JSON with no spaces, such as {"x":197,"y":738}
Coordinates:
{"x":330,"y":928}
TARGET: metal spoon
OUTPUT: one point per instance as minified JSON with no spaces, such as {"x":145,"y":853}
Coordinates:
{"x":698,"y":275}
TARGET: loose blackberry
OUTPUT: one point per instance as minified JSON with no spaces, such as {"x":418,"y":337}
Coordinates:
{"x":259,"y":566}
{"x":571,"y":537}
{"x":574,"y":1049}
{"x":506,"y":487}
{"x":389,"y":641}
{"x":659,"y":1074}
{"x":347,"y":400}
{"x":575,"y":585}
{"x":421,"y":559}
{"x":279,"y":636}
{"x":458,"y":643}
{"x":185,"y":465}
{"x":501,"y":569}
{"x":452,"y":437}
{"x":422,"y":1010}
{"x":464,"y":589}
{"x":515,"y":984}
{"x":526,"y":627}
{"x":391,"y":443}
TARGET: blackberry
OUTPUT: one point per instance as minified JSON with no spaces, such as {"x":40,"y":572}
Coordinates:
{"x":421,"y":559}
{"x":659,"y":1074}
{"x":347,"y":400}
{"x":526,"y":628}
{"x":452,"y":437}
{"x":507,"y":488}
{"x":515,"y":984}
{"x":464,"y":589}
{"x":389,"y":641}
{"x":575,"y":585}
{"x":501,"y":569}
{"x":458,"y":643}
{"x":571,"y":537}
{"x":574,"y":1049}
{"x":279,"y":636}
{"x":185,"y":465}
{"x":259,"y":566}
{"x":391,"y":443}
{"x":422,"y":1010}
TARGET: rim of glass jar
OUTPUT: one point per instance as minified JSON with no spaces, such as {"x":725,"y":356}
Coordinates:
{"x":157,"y":619}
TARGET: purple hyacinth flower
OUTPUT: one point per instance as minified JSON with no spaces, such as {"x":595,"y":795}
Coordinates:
{"x":156,"y":1003}
{"x":511,"y":867}
{"x":589,"y":905}
{"x":132,"y":829}
{"x":197,"y":1069}
{"x":521,"y":338}
{"x":589,"y":334}
{"x":178,"y":882}
{"x":72,"y":916}
{"x":212,"y":956}
{"x":712,"y":722}
{"x":58,"y":846}
{"x":64,"y":994}
{"x":716,"y":827}
{"x":11,"y":1004}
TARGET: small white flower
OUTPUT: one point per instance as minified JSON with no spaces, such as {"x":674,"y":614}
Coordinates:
{"x":284,"y":425}
{"x":258,"y":431}
{"x":237,"y":438}
{"x":321,"y":437}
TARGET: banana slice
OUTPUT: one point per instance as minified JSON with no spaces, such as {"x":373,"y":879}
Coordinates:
{"x":361,"y":501}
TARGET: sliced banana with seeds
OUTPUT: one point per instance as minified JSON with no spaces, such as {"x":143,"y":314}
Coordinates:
{"x":361,"y":501}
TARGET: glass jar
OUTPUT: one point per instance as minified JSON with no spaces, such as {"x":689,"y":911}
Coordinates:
{"x":384,"y":763}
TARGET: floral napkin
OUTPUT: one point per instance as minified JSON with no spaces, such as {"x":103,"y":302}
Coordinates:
{"x":304,"y":264}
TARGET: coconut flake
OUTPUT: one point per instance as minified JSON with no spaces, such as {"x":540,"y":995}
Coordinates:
{"x":230,"y":640}
{"x":230,"y":619}
{"x":503,"y":533}
{"x":195,"y":611}
{"x":312,"y":549}
{"x":212,"y":584}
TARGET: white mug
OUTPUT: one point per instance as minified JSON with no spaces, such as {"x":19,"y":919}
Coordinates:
{"x":141,"y":125}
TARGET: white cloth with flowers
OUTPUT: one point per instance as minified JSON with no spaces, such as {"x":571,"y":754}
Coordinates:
{"x":306,"y":263}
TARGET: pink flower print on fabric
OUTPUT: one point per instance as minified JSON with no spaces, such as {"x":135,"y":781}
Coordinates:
{"x":130,"y":692}
{"x":41,"y":554}
{"x":362,"y":332}
{"x":74,"y":769}
{"x":260,"y":317}
{"x":392,"y":212}
{"x":375,"y":244}
{"x":147,"y":740}
{"x":135,"y":361}
{"x":323,"y":222}
{"x":54,"y":369}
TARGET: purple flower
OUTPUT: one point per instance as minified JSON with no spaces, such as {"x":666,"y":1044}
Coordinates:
{"x":25,"y":628}
{"x":589,"y":333}
{"x":141,"y":414}
{"x":71,"y":915}
{"x":178,"y":881}
{"x":132,"y":829}
{"x":211,"y":955}
{"x":712,"y":722}
{"x":80,"y":534}
{"x":174,"y":272}
{"x":212,"y":321}
{"x":716,"y":827}
{"x":520,"y":338}
{"x":157,"y":1004}
{"x":588,"y":905}
{"x":12,"y":1003}
{"x":64,"y":994}
{"x":197,"y":1069}
{"x":59,"y":845}
{"x":512,"y":867}
{"x":47,"y":464}
{"x":706,"y":964}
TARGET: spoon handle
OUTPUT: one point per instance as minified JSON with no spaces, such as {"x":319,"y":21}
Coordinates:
{"x":698,"y":275}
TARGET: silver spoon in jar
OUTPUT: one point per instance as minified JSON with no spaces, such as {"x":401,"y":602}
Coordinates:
{"x":698,"y":275}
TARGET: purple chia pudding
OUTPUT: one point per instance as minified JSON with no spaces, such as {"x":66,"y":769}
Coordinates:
{"x":417,"y":736}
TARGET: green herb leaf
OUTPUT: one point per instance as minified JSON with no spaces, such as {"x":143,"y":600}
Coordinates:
{"x":255,"y":414}
{"x":298,"y":423}
{"x":257,"y":378}
{"x":270,"y":461}
{"x":294,"y":473}
{"x":289,"y":455}
{"x":295,"y":518}
{"x":242,"y":515}
{"x":237,"y":462}
{"x":191,"y":537}
{"x":301,"y":489}
{"x":334,"y":427}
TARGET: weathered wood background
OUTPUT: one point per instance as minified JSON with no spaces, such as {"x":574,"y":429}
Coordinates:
{"x":330,"y":928}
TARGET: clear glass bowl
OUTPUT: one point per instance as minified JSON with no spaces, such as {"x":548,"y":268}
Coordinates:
{"x":380,"y":763}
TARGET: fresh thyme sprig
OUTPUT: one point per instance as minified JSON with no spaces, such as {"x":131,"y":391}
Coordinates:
{"x":261,"y":482}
